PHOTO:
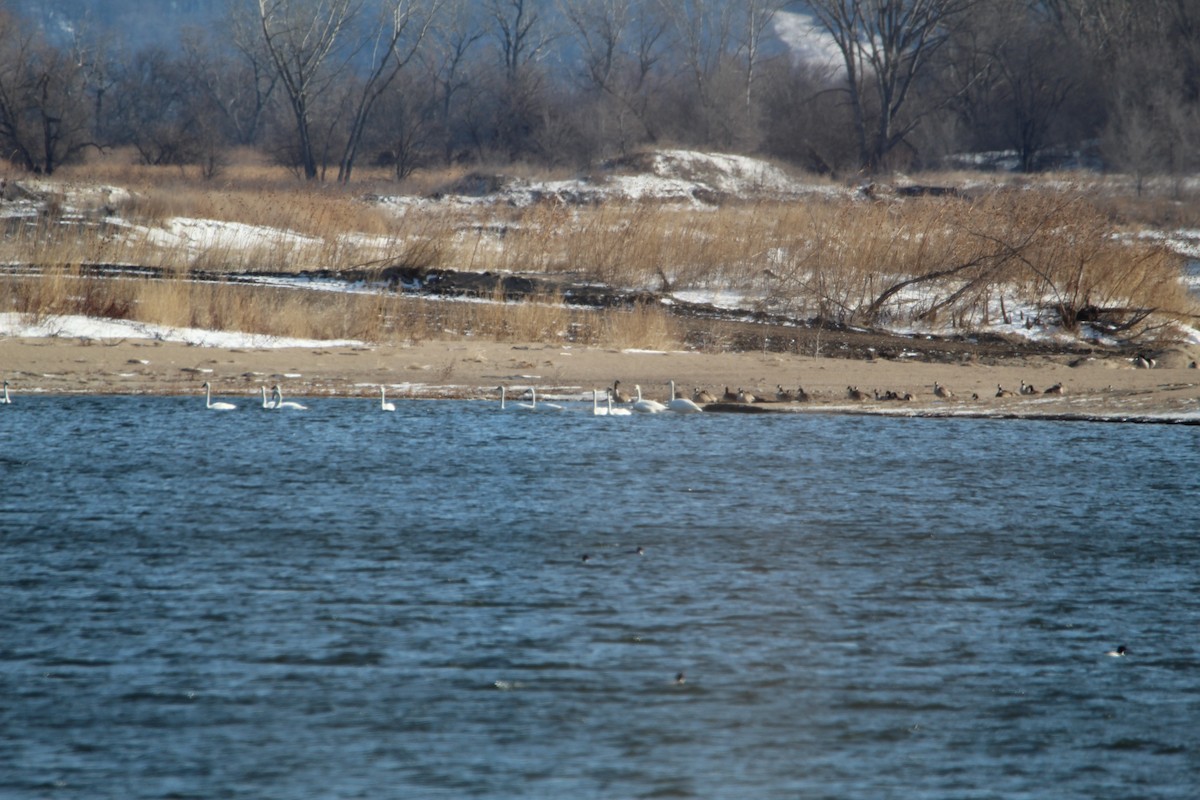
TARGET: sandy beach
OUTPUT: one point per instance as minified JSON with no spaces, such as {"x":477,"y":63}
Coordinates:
{"x":1096,"y":387}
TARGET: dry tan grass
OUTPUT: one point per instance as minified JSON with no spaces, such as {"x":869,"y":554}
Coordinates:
{"x":885,"y":262}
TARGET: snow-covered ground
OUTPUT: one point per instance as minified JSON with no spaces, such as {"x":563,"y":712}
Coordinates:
{"x":73,"y":326}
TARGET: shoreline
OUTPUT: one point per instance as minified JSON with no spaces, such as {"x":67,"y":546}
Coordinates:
{"x":1101,"y":389}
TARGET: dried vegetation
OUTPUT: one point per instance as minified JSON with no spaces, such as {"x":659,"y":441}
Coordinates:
{"x":959,"y":262}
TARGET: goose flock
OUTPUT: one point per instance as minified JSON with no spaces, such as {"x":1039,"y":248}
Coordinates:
{"x":617,"y":402}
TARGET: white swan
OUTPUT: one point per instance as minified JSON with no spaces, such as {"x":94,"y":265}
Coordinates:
{"x":615,"y":412}
{"x":7,"y":400}
{"x":208,"y":403}
{"x":277,"y":396}
{"x":267,"y":404}
{"x":597,"y":411}
{"x":533,"y":404}
{"x":681,"y":405}
{"x":646,"y":406}
{"x":384,"y":405}
{"x":523,"y":406}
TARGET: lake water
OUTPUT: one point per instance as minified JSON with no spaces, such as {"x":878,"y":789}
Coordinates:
{"x":343,"y":603}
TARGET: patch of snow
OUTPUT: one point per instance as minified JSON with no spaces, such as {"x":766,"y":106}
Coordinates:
{"x":74,"y":326}
{"x":717,"y":298}
{"x":201,"y":235}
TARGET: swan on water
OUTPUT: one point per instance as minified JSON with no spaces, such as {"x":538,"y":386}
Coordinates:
{"x":643,"y":406}
{"x":277,"y":396}
{"x":384,"y":405}
{"x":607,"y":410}
{"x":267,"y":404}
{"x":614,"y":412}
{"x":7,"y":400}
{"x":681,"y":405}
{"x":208,"y":403}
{"x":533,"y":406}
{"x":597,"y":411}
{"x":523,"y":406}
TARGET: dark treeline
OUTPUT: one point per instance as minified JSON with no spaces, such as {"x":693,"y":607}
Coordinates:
{"x":835,"y":86}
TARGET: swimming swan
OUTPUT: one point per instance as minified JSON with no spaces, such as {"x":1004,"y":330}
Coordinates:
{"x":209,"y":404}
{"x":533,"y":405}
{"x":277,"y":396}
{"x":614,"y":412}
{"x":597,"y":411}
{"x":7,"y":400}
{"x":681,"y":405}
{"x":267,"y":404}
{"x":384,"y":405}
{"x":523,"y":406}
{"x":646,"y":406}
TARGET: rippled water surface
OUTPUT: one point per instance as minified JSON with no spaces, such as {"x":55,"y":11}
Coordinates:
{"x":342,"y":603}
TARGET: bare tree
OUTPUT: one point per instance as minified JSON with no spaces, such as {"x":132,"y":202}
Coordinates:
{"x":620,"y":44}
{"x":447,"y":62}
{"x":703,"y":35}
{"x":44,"y":110}
{"x":300,"y":36}
{"x":885,"y":45}
{"x":398,"y":31}
{"x":758,"y":18}
{"x":523,"y":38}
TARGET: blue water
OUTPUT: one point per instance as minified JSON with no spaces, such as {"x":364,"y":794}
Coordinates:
{"x":342,"y":603}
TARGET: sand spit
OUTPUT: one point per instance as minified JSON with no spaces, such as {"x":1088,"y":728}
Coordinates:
{"x":1111,"y":389}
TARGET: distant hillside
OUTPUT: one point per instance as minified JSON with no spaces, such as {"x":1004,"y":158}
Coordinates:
{"x":136,"y":21}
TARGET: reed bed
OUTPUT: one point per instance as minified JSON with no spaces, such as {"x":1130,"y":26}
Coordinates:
{"x":370,"y":317}
{"x":930,"y":262}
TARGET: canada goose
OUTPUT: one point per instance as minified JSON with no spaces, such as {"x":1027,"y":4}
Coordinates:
{"x":1141,"y":362}
{"x":783,"y":395}
{"x":1056,"y":389}
{"x":1002,"y":392}
{"x":1027,"y":388}
{"x":942,"y":391}
{"x":618,"y":395}
{"x":209,"y":404}
{"x":745,"y":397}
{"x":703,"y":396}
{"x":854,"y":393}
{"x":729,"y":397}
{"x":906,"y":397}
{"x":801,"y":395}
